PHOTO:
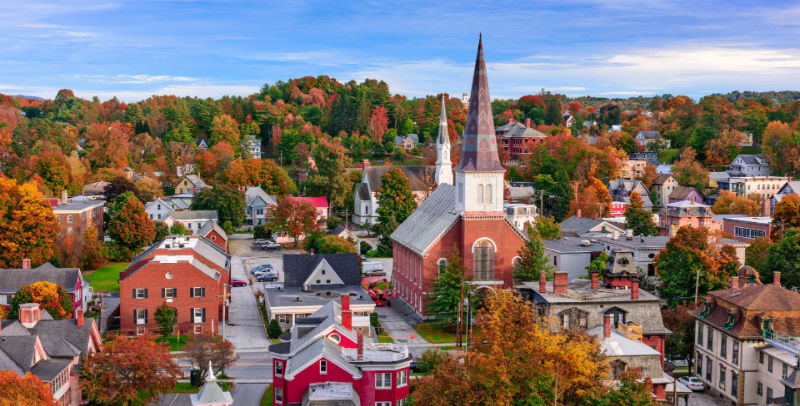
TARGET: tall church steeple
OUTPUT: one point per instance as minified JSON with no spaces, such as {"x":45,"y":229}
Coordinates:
{"x":444,"y":168}
{"x":479,"y":175}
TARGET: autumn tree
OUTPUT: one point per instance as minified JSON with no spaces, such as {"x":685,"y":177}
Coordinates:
{"x":729,"y":203}
{"x":378,"y":123}
{"x":783,"y":257}
{"x":757,"y":252}
{"x":689,"y":252}
{"x":207,"y":348}
{"x":51,"y":297}
{"x":27,"y":390}
{"x":225,"y":128}
{"x":395,"y":204}
{"x":639,"y":220}
{"x":91,"y":249}
{"x":786,"y":215}
{"x":118,"y":186}
{"x":447,"y":291}
{"x":149,"y":189}
{"x":680,"y":344}
{"x":779,"y":145}
{"x":328,"y":179}
{"x":628,"y":390}
{"x":533,"y":259}
{"x":257,"y":172}
{"x":689,"y":172}
{"x":591,"y":198}
{"x":229,"y":203}
{"x":319,"y":243}
{"x":294,"y":217}
{"x":108,"y":144}
{"x":129,"y":371}
{"x":513,"y":359}
{"x":28,"y":226}
{"x":132,"y":227}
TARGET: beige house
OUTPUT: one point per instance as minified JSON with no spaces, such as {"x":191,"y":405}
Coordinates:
{"x":760,"y":187}
{"x":190,"y":185}
{"x":663,"y":186}
{"x":631,"y":169}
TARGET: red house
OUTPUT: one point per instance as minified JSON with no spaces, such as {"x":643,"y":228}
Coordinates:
{"x":466,"y":218}
{"x":319,"y":202}
{"x":327,"y":361}
{"x":213,"y":232}
{"x":190,"y":274}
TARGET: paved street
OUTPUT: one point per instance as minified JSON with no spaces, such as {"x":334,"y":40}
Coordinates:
{"x":396,"y":320}
{"x":704,"y":399}
{"x":248,"y":394}
{"x":245,"y":329}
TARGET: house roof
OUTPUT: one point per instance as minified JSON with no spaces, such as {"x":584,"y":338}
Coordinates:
{"x":194,"y":215}
{"x":649,"y":135}
{"x":662,"y":178}
{"x":77,"y":205}
{"x":682,"y":192}
{"x":201,"y":246}
{"x":252,"y":193}
{"x":429,"y":221}
{"x":755,"y":300}
{"x":212,"y":225}
{"x":515,"y":129}
{"x":619,"y":345}
{"x":210,"y":393}
{"x":362,"y":191}
{"x":752,"y":159}
{"x":320,"y":202}
{"x":13,"y":279}
{"x":582,"y":225}
{"x":195,"y":180}
{"x":414,"y":173}
{"x":297,"y":268}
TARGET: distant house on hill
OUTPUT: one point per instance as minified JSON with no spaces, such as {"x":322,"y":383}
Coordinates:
{"x":644,"y":138}
{"x":407,"y":142}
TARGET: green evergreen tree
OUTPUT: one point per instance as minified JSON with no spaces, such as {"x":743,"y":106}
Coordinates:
{"x":533,"y":259}
{"x":166,"y":317}
{"x":783,"y":257}
{"x":228,"y":201}
{"x":446,"y":293}
{"x":395,"y":204}
{"x":274,"y":329}
{"x":637,"y":218}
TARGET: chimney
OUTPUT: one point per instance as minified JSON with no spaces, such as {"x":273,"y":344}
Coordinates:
{"x":528,"y":122}
{"x":26,"y":263}
{"x":360,"y":345}
{"x":607,"y":326}
{"x":595,"y":280}
{"x":692,"y":199}
{"x":29,"y":314}
{"x":365,"y":163}
{"x":560,"y":279}
{"x":765,"y":208}
{"x":64,"y":196}
{"x":629,"y":234}
{"x":79,"y":320}
{"x":578,"y":213}
{"x":347,"y":314}
{"x":776,"y":279}
{"x":634,"y":290}
{"x":734,"y":283}
{"x":542,"y":282}
{"x":596,"y":216}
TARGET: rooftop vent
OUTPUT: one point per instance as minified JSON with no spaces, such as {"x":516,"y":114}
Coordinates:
{"x":586,"y":243}
{"x":298,"y":299}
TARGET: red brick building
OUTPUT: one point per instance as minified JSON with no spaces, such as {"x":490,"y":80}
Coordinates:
{"x":190,"y":274}
{"x":214,"y":233}
{"x":466,"y":217}
{"x":75,"y":217}
{"x":747,"y":229}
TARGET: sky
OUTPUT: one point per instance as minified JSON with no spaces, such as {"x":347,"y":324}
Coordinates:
{"x":606,"y":48}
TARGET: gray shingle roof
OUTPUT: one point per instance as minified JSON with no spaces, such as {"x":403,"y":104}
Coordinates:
{"x":429,"y":222}
{"x":415,"y":175}
{"x":211,"y":225}
{"x":362,"y":190}
{"x":13,"y":279}
{"x":79,"y":205}
{"x":194,"y":215}
{"x":578,"y":225}
{"x":48,"y":370}
{"x":64,"y":337}
{"x":662,"y":178}
{"x":195,"y":180}
{"x":516,"y":129}
{"x":297,"y":268}
{"x":254,"y":192}
{"x":19,"y":349}
{"x":649,"y":135}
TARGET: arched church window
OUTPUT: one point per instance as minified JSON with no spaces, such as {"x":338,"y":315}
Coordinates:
{"x":488,"y":193}
{"x":483,"y":254}
{"x":480,"y":194}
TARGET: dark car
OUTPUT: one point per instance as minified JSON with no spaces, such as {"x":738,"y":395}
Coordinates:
{"x":238,"y":282}
{"x":267,"y":278}
{"x":414,"y":367}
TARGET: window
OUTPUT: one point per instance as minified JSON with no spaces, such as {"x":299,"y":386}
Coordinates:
{"x":617,"y":316}
{"x":159,"y":207}
{"x":574,"y":318}
{"x":140,"y":293}
{"x":710,"y":340}
{"x":617,"y":367}
{"x":198,"y":315}
{"x":769,"y":392}
{"x":769,"y":363}
{"x":699,"y":334}
{"x":198,"y":329}
{"x":69,"y":219}
{"x":278,"y":395}
{"x":140,"y":330}
{"x":488,"y":193}
{"x":383,"y":403}
{"x":323,"y":367}
{"x":484,"y":261}
{"x":140,"y":315}
{"x":735,"y":355}
{"x":402,"y":378}
{"x":760,"y":389}
{"x":402,"y":402}
{"x":336,"y":338}
{"x":383,"y":380}
{"x":760,"y":357}
{"x":480,"y":194}
{"x":283,"y":318}
{"x":442,"y":263}
{"x":709,"y":368}
{"x":278,"y":368}
{"x":723,"y":347}
{"x":721,"y":377}
{"x":699,"y":364}
{"x":197,"y":292}
{"x":734,"y":383}
{"x":168,"y":293}
{"x":785,"y":371}
{"x":748,"y":233}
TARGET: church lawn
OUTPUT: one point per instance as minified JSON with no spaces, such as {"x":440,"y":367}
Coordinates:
{"x":106,"y":278}
{"x":174,"y":345}
{"x":432,"y":333}
{"x":266,"y":400}
{"x":186,"y":387}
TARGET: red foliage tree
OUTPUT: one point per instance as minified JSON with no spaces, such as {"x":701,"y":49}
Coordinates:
{"x":26,"y":390}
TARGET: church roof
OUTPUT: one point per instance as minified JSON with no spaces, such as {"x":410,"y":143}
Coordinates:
{"x":479,"y":148}
{"x":443,"y":135}
{"x":414,"y":173}
{"x":429,"y":222}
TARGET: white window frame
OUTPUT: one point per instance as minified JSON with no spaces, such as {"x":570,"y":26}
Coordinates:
{"x":198,"y":292}
{"x":169,"y":293}
{"x":402,"y":378}
{"x":69,"y":218}
{"x":197,"y":315}
{"x":140,"y":330}
{"x":323,"y":367}
{"x":279,"y":395}
{"x":141,"y":319}
{"x":380,"y":380}
{"x":198,"y":329}
{"x":141,"y":293}
{"x":278,"y":368}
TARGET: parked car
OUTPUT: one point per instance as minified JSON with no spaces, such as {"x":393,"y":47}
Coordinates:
{"x":373,"y":268}
{"x":261,"y":269}
{"x":414,"y":366}
{"x":238,"y":282}
{"x":692,"y":382}
{"x":260,"y":241}
{"x":267,"y":278}
{"x":271,"y":245}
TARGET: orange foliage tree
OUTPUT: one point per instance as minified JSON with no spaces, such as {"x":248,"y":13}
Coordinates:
{"x":295,"y":217}
{"x":28,"y":226}
{"x":689,"y":172}
{"x":591,"y":198}
{"x":514,"y":358}
{"x":51,"y":297}
{"x":729,"y":203}
{"x":26,"y":390}
{"x":779,"y":143}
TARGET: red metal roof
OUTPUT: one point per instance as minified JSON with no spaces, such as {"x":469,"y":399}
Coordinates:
{"x":318,"y":201}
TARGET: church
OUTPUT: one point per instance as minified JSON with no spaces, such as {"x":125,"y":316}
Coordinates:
{"x":464,"y":214}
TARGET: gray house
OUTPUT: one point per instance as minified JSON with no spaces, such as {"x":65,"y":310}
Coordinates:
{"x":749,"y":165}
{"x":790,"y":188}
{"x":572,"y":254}
{"x":258,"y":203}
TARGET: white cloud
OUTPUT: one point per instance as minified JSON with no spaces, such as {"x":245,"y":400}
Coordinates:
{"x":140,"y":79}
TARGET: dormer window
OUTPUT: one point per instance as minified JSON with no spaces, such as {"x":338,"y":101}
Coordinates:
{"x":731,"y":320}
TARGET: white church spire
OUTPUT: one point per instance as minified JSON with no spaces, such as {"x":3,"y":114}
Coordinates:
{"x":444,"y":168}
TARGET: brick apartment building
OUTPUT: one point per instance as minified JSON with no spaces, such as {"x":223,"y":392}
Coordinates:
{"x":747,"y":229}
{"x":190,"y":274}
{"x":76,"y":216}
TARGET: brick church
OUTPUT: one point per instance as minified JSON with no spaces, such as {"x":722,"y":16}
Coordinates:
{"x":465,"y":216}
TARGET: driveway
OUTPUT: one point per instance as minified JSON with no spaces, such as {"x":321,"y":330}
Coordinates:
{"x":397,"y":323}
{"x":245,"y":328}
{"x":704,"y":399}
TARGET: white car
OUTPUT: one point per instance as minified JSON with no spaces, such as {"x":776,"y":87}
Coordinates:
{"x":692,"y":382}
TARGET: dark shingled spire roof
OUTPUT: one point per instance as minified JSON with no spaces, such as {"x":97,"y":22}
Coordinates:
{"x":479,"y":148}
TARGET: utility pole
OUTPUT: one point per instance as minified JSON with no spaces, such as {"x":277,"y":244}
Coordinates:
{"x":469,"y":320}
{"x":541,"y":202}
{"x":225,"y":296}
{"x":697,"y":286}
{"x":459,"y":316}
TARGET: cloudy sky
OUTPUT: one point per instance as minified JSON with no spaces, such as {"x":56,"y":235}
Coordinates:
{"x":612,"y":48}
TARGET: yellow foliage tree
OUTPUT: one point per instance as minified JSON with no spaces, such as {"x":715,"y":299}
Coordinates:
{"x":27,"y":225}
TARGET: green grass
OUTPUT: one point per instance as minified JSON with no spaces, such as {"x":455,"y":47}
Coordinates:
{"x":384,"y":338}
{"x":373,"y":254}
{"x":266,"y":400}
{"x":431,"y":332}
{"x":383,"y":286}
{"x":668,"y":155}
{"x":275,"y":340}
{"x":186,"y":387}
{"x":106,"y":278}
{"x":174,"y":345}
{"x":447,"y":347}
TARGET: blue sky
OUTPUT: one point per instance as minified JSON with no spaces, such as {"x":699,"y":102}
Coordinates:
{"x":611,"y":48}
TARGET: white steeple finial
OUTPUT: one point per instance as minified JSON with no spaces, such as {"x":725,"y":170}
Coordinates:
{"x":444,"y":168}
{"x":210,"y":377}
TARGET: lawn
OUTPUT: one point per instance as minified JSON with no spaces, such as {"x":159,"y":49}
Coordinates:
{"x":431,"y":332}
{"x":186,"y":387}
{"x":174,"y":345}
{"x":384,"y":338}
{"x":266,"y":400}
{"x":106,"y":278}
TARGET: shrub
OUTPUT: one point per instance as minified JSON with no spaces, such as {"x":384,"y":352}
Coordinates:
{"x":262,"y":232}
{"x":430,"y":359}
{"x":274,"y":329}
